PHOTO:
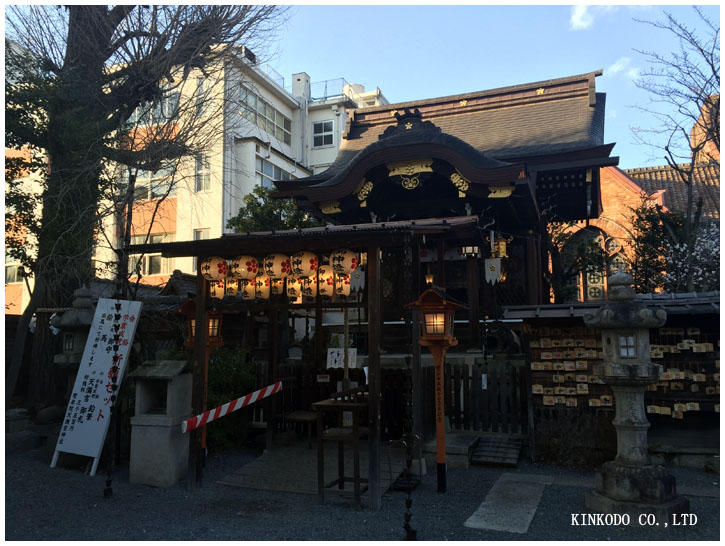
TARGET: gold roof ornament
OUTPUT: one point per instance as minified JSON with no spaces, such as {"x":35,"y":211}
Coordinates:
{"x":365,"y":188}
{"x":540,"y":91}
{"x":460,"y":182}
{"x":330,"y":207}
{"x":500,"y":192}
{"x":410,"y":182}
{"x":409,"y":168}
{"x":464,"y":102}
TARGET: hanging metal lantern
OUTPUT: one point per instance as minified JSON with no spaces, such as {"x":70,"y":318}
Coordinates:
{"x":327,"y":281}
{"x":232,"y":286}
{"x":214,"y":269}
{"x":309,"y":286}
{"x":262,"y":287}
{"x":294,"y":288}
{"x":216,"y":289}
{"x":247,"y":289}
{"x":244,"y":267}
{"x":276,"y":266}
{"x":277,"y":287}
{"x":304,"y":264}
{"x":342,"y":285}
{"x":344,"y":261}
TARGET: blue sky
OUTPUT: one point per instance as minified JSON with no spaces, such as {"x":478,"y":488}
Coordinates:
{"x":426,"y":51}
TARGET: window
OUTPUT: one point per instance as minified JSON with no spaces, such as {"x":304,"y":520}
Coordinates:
{"x":202,"y":178}
{"x":199,"y":235}
{"x":267,"y":172}
{"x":266,"y":117}
{"x":149,"y":264}
{"x":150,"y":185}
{"x":156,"y":113}
{"x":322,"y":134}
{"x":13,"y":273}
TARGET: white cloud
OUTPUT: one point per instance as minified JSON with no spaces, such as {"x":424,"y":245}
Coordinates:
{"x":633,"y":73}
{"x":618,"y":66}
{"x":581,"y":18}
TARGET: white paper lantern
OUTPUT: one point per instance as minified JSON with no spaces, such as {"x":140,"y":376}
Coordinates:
{"x":244,"y":267}
{"x":276,"y":266}
{"x":294,"y":289}
{"x":309,"y":286}
{"x":277,"y":288}
{"x":247,"y":289}
{"x":327,"y":281}
{"x":262,"y":287}
{"x":342,"y":285}
{"x":214,"y":269}
{"x":344,"y":261}
{"x":232,"y":286}
{"x":304,"y":264}
{"x":216,"y":289}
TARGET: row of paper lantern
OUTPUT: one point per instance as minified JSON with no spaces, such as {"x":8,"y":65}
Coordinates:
{"x":262,"y":286}
{"x":302,"y":264}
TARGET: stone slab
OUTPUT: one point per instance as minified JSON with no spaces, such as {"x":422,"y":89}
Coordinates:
{"x":456,"y":444}
{"x":510,"y":505}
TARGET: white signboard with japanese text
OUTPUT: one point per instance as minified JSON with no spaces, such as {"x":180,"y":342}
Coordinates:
{"x":104,"y":359}
{"x":336,"y":358}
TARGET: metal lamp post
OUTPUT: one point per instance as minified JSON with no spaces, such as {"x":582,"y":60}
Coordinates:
{"x":437,"y":313}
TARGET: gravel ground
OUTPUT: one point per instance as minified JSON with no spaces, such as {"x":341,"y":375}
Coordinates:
{"x":65,"y":504}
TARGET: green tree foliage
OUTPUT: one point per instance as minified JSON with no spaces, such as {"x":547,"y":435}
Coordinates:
{"x":77,"y":76}
{"x":571,"y":252}
{"x":663,"y":262}
{"x":261,"y":212}
{"x":231,"y":375}
{"x":684,"y":96}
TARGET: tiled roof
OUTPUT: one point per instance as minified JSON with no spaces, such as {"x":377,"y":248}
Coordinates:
{"x":706,"y":184}
{"x":692,"y":303}
{"x":509,"y":123}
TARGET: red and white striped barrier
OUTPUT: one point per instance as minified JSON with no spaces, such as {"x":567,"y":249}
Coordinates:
{"x":225,"y":409}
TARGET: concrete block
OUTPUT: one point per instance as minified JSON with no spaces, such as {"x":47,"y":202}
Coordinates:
{"x":159,"y":455}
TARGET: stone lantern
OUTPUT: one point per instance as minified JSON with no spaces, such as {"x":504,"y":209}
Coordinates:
{"x":74,"y":324}
{"x":630,"y":484}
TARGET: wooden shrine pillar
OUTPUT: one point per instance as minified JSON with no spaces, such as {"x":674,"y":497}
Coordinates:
{"x":534,"y":271}
{"x":270,"y":403}
{"x":415,"y":350}
{"x":319,"y":346}
{"x":375,"y":318}
{"x":440,"y":279}
{"x":473,"y":282}
{"x":416,"y":379}
{"x":201,"y":331}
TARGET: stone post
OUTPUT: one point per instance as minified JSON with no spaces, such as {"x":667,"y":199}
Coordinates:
{"x":630,"y":484}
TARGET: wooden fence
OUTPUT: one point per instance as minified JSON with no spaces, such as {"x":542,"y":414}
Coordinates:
{"x":501,"y":407}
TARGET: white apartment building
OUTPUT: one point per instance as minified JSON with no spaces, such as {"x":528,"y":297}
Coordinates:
{"x":270,"y":132}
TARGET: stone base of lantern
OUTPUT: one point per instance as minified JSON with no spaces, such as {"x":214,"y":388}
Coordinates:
{"x":647,"y":489}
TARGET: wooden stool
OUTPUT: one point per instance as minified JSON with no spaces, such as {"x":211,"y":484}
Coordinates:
{"x":341,"y":435}
{"x":305,"y":418}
